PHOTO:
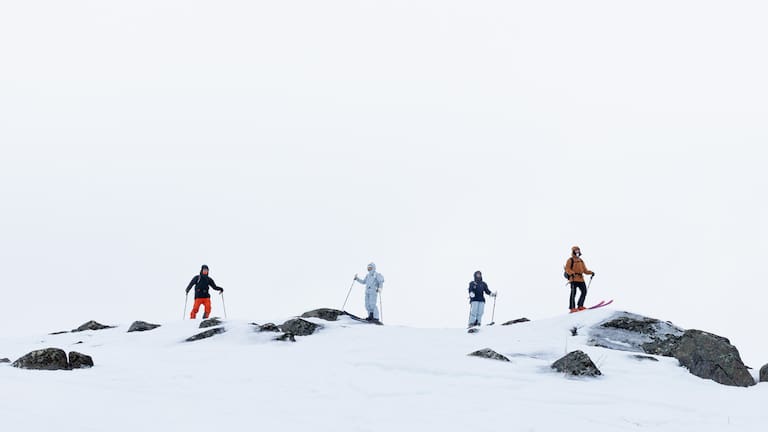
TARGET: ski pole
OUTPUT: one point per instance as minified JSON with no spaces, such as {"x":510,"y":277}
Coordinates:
{"x":493,"y":314}
{"x":186,"y":298}
{"x":381,"y":308}
{"x":224,"y":304}
{"x":348,"y":293}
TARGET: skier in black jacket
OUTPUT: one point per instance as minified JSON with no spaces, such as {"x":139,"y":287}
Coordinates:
{"x":477,"y":300}
{"x":201,"y":283}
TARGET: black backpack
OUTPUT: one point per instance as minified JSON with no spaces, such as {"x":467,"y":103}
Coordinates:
{"x":565,"y":274}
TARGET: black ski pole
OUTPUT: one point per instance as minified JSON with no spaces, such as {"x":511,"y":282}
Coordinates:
{"x":493,"y":314}
{"x":381,"y":307}
{"x":186,"y":298}
{"x":348,"y":293}
{"x":224,"y":304}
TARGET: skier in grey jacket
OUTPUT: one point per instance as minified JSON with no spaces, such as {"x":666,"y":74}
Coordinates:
{"x":374,"y":283}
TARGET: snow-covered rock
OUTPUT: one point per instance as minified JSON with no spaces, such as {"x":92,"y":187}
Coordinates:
{"x":211,"y":322}
{"x":626,"y":331}
{"x":324,"y":313}
{"x":79,"y":360}
{"x":516,"y":321}
{"x":92,"y":325}
{"x":140,"y":326}
{"x":5,"y":360}
{"x":764,"y":373}
{"x":300,"y":327}
{"x":710,"y":356}
{"x":206,"y":334}
{"x":268,"y":327}
{"x":489,"y":354}
{"x":576,"y":363}
{"x":45,"y":359}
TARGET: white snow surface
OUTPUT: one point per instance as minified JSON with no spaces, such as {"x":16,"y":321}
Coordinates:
{"x":358,"y":377}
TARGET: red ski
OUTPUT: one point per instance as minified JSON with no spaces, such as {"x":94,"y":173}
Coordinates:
{"x":601,"y":304}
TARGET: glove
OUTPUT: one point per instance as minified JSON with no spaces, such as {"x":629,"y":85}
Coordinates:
{"x":355,"y":278}
{"x":221,"y":291}
{"x":494,"y":294}
{"x":593,"y":275}
{"x":472,"y":294}
{"x":186,"y":291}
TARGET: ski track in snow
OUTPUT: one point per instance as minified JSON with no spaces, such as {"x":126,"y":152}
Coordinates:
{"x":366,"y":378}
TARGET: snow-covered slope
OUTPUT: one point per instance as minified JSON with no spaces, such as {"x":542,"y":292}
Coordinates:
{"x":357,"y":377}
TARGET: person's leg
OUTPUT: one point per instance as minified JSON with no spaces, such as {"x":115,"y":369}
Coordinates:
{"x":572,"y":302}
{"x":370,"y":303}
{"x":472,"y":313}
{"x":207,"y":304}
{"x":195,"y":308}
{"x":480,"y":310}
{"x":583,"y":296}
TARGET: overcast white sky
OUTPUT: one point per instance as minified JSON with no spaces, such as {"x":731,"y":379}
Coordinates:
{"x":287,"y":144}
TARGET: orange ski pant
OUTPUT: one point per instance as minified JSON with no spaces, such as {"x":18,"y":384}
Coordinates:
{"x":206,"y":302}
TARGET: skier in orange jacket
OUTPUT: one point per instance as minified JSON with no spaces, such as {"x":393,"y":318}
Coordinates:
{"x":575,"y":268}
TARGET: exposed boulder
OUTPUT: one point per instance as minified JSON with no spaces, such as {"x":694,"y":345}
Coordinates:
{"x":712,"y":357}
{"x":212,"y":322}
{"x":92,"y":325}
{"x":140,"y":326}
{"x":644,"y":358}
{"x":576,"y":363}
{"x":324,"y":313}
{"x":516,"y":321}
{"x":268,"y":327}
{"x":489,"y":354}
{"x":4,"y":360}
{"x":206,"y":334}
{"x":44,"y":359}
{"x":286,"y":337}
{"x":764,"y":373}
{"x":58,"y":333}
{"x":625,"y":331}
{"x":79,"y":361}
{"x":300,"y":327}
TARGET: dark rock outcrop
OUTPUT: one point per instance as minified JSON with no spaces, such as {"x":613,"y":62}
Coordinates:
{"x":764,"y":373}
{"x":324,"y":313}
{"x":644,"y":358}
{"x":300,"y":327}
{"x":712,"y":357}
{"x":489,"y":354}
{"x":576,"y":363}
{"x":286,"y":337}
{"x":58,"y":333}
{"x":211,"y":322}
{"x":92,"y":325}
{"x":268,"y":327}
{"x":4,"y":360}
{"x":79,"y":361}
{"x":44,"y":359}
{"x":630,"y":332}
{"x":206,"y":334}
{"x":140,"y":326}
{"x":516,"y":321}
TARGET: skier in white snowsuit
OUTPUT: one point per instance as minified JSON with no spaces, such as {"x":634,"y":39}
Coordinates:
{"x":374,"y":283}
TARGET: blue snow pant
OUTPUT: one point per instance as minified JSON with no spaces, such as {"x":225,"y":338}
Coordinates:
{"x":371,"y":299}
{"x":476,"y":309}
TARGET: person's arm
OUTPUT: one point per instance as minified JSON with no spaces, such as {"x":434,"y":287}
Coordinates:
{"x":471,"y":291}
{"x":358,"y":280}
{"x":486,"y":290}
{"x":380,"y":280}
{"x":586,"y":270}
{"x":191,"y":283}
{"x":212,"y":284}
